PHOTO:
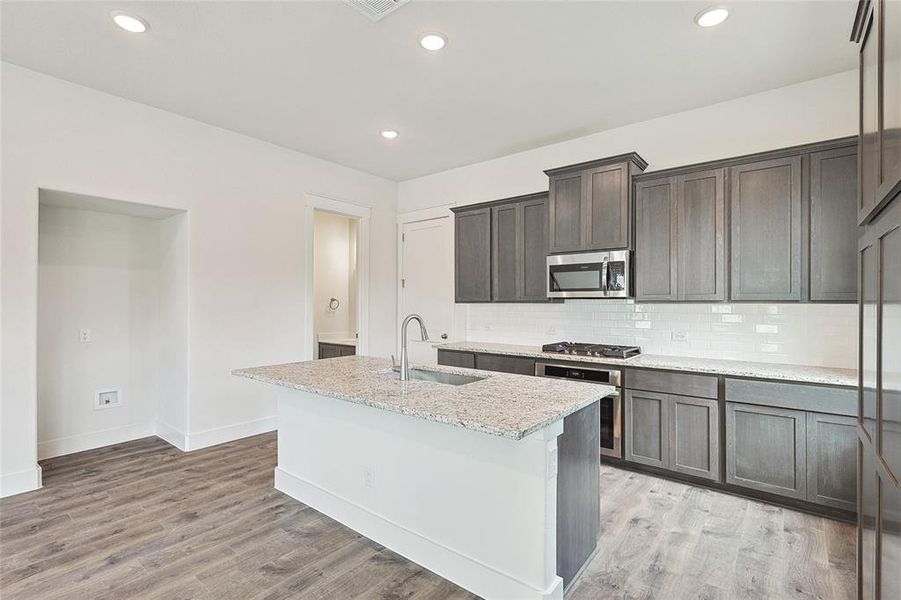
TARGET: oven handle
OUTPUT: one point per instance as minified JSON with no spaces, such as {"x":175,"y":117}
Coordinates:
{"x":605,"y":276}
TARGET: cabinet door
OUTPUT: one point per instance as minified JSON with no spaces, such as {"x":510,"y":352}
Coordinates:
{"x":890,"y":338}
{"x":701,"y":215}
{"x":566,"y":213}
{"x":766,"y":449}
{"x":833,"y":225}
{"x":868,"y":495}
{"x":472,"y":252}
{"x":890,"y":540}
{"x":347,"y":350}
{"x":868,"y":344}
{"x":607,"y":195}
{"x":890,"y":135}
{"x":694,"y":437}
{"x":506,"y":258}
{"x":868,"y":142}
{"x":832,"y":460}
{"x":647,"y":434}
{"x":765,"y":199}
{"x":533,"y":223}
{"x":655,"y":240}
{"x":329,"y":351}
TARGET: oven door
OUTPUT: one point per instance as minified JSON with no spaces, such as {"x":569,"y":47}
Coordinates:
{"x":577,"y":275}
{"x":611,"y":426}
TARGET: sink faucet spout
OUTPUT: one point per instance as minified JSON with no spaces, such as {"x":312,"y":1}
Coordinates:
{"x":404,"y":357}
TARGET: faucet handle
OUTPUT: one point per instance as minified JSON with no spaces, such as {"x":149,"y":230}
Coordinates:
{"x":393,"y":362}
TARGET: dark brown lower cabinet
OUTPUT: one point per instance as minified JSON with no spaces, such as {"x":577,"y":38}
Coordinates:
{"x":578,"y":491}
{"x":832,"y":460}
{"x":679,"y":433}
{"x":766,"y":449}
{"x":327,"y":350}
{"x":451,"y":358}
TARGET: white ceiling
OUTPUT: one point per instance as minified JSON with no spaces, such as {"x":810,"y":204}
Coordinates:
{"x":321,"y":78}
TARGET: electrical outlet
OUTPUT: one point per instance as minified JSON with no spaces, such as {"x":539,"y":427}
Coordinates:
{"x":680,"y":336}
{"x":84,"y":336}
{"x":107,"y":399}
{"x":368,"y":476}
{"x":550,"y":330}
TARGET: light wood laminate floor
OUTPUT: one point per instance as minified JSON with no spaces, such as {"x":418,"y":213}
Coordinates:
{"x":144,"y":520}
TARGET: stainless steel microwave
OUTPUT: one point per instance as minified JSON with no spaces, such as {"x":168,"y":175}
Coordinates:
{"x":589,"y":275}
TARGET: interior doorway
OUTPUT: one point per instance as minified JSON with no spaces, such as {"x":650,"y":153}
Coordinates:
{"x":426,"y":269}
{"x":336,"y":313}
{"x":335,"y":284}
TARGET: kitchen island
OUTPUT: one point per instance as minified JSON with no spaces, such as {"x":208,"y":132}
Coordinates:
{"x":487,"y":479}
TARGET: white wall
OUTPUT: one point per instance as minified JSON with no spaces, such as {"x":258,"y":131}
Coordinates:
{"x":806,"y":112}
{"x":813,"y":334}
{"x":97,"y":271}
{"x":246,"y":283}
{"x":334,"y":273}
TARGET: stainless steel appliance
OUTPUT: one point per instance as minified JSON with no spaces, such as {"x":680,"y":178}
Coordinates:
{"x":611,"y":406}
{"x":589,"y":275}
{"x":599,"y":350}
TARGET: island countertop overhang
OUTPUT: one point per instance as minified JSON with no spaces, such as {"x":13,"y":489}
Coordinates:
{"x":500,"y":404}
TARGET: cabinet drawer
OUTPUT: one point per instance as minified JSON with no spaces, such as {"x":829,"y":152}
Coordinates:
{"x":815,"y":398}
{"x":505,"y":364}
{"x":683,"y":384}
{"x":452,"y":358}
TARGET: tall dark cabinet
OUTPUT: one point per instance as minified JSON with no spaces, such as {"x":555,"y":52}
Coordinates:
{"x":501,"y":250}
{"x":877,"y":29}
{"x":589,"y":204}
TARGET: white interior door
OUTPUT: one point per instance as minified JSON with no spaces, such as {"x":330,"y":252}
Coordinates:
{"x":427,"y":283}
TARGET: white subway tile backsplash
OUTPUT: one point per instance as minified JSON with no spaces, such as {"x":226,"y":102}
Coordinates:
{"x":812,"y":334}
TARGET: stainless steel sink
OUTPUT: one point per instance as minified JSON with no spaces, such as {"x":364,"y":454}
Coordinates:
{"x":438,"y":377}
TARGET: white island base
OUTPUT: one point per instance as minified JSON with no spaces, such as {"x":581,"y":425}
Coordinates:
{"x":479,"y":510}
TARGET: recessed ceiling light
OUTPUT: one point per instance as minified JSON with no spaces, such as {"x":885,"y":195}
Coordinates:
{"x":432,"y":41}
{"x":711,"y":16}
{"x":129,"y":22}
{"x":389,"y":134}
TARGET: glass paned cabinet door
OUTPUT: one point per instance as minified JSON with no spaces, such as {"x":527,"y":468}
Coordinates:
{"x":891,"y":93}
{"x":866,"y":530}
{"x":890,"y":424}
{"x":869,"y":114}
{"x":868,"y":329}
{"x":890,"y":542}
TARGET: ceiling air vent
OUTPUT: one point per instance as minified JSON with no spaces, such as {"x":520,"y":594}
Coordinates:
{"x":376,"y":9}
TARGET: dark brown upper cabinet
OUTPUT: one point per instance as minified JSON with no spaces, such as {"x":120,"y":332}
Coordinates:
{"x":655,"y":240}
{"x":589,"y":204}
{"x":878,"y":31}
{"x":765,"y":203}
{"x":501,"y":250}
{"x":679,"y":237}
{"x":472,"y":254}
{"x":774,"y":226}
{"x":833,"y":237}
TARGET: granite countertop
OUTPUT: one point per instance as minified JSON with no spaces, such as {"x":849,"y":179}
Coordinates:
{"x":736,"y":368}
{"x":340,"y":342}
{"x":506,"y":405}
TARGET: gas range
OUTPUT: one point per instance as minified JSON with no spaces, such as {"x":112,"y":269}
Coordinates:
{"x":599,"y":350}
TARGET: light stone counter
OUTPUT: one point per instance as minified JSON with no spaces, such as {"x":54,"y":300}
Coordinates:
{"x":735,"y":368}
{"x":501,"y":404}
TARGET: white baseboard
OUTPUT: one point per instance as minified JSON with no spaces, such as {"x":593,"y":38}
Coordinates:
{"x":95,"y":439}
{"x":21,"y":482}
{"x":467,"y":572}
{"x":220,"y":435}
{"x":171,"y":435}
